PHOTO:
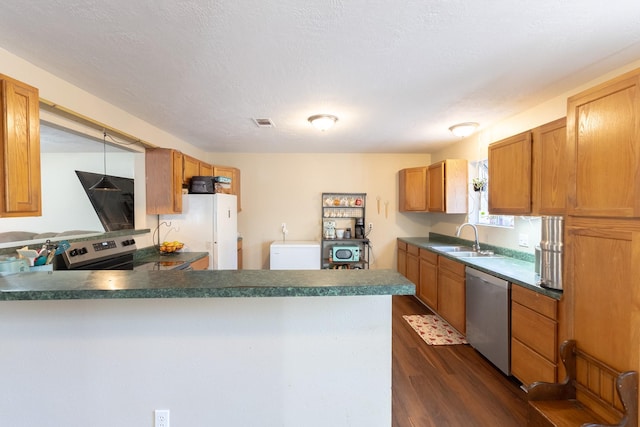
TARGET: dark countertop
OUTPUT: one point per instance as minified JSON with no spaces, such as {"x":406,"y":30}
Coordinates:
{"x":508,"y":266}
{"x":114,"y":284}
{"x":152,"y":255}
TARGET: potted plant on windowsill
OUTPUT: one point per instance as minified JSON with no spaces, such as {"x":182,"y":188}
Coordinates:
{"x":479,"y":184}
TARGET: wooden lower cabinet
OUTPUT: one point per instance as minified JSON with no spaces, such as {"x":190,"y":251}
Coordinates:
{"x":402,"y":258}
{"x":239,"y":254}
{"x":452,"y":293}
{"x":201,"y":264}
{"x":534,"y":336}
{"x":428,"y":287}
{"x":413,"y":265}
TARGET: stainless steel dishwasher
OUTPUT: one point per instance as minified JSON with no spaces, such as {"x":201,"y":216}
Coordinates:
{"x":488,"y":304}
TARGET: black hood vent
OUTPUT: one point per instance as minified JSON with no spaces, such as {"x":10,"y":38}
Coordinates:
{"x":115,"y":209}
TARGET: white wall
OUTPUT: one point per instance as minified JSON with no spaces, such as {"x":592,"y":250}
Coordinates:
{"x":290,"y":362}
{"x":288,"y":188}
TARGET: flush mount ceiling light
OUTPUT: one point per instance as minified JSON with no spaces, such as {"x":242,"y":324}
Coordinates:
{"x":463,"y":129}
{"x":323,"y":121}
{"x":105,"y":183}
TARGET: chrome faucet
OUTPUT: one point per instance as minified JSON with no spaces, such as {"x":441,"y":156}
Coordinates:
{"x":476,"y":246}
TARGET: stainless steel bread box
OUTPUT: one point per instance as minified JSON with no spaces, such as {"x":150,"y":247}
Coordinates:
{"x":551,"y":242}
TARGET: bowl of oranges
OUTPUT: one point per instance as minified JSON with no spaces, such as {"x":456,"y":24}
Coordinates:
{"x":170,"y":248}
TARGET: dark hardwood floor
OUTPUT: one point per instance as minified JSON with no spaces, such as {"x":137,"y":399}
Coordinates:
{"x":448,"y":385}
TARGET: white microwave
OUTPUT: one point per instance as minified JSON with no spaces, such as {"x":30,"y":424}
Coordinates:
{"x":345,"y":253}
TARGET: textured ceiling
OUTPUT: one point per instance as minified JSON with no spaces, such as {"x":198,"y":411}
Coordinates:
{"x":396,"y":73}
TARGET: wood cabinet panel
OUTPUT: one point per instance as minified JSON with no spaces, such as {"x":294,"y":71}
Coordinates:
{"x":535,"y":301}
{"x":601,"y":289}
{"x":603,"y":123}
{"x":20,"y":189}
{"x":234,"y":174}
{"x":402,"y":258}
{"x":413,"y":189}
{"x":448,"y":186}
{"x":201,"y":264}
{"x":451,"y":298}
{"x":413,"y":265}
{"x":190,"y":168}
{"x":550,"y":168}
{"x":538,"y":332}
{"x":239,"y":254}
{"x":510,"y":178}
{"x":534,"y":336}
{"x":428,"y":289}
{"x":455,"y":267}
{"x":528,"y":366}
{"x":163,"y":181}
{"x":205,"y":169}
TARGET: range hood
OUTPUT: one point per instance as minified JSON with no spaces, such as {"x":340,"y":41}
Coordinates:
{"x":115,"y":209}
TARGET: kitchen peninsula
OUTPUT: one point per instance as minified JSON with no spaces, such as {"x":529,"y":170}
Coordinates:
{"x":233,"y":348}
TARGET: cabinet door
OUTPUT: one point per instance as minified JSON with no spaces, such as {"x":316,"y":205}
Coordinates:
{"x":448,"y":186}
{"x":190,"y":168}
{"x":234,"y":174}
{"x":20,"y":189}
{"x":428,"y":279}
{"x":402,"y":258}
{"x":205,"y":169}
{"x":452,"y":293}
{"x":413,"y":265}
{"x":436,"y":182}
{"x":413,"y":189}
{"x":603,"y":129}
{"x":550,"y":168}
{"x":201,"y":264}
{"x":601,"y":290}
{"x":510,"y":175}
{"x":164,"y":181}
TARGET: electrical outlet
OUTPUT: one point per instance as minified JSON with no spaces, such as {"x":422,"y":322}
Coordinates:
{"x":370,"y":226}
{"x":523,"y":240}
{"x":161,"y":418}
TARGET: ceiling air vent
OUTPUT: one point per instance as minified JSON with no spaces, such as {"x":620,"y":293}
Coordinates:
{"x":264,"y":123}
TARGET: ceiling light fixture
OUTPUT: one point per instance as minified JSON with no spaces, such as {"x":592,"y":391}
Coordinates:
{"x":105,"y":183}
{"x":463,"y":129}
{"x":323,"y":121}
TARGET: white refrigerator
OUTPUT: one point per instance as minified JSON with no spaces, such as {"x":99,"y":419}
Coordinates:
{"x":208,"y":223}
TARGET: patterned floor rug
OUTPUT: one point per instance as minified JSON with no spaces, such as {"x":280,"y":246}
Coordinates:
{"x":433,"y":330}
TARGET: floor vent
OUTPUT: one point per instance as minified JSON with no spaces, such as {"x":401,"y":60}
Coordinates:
{"x":264,"y":123}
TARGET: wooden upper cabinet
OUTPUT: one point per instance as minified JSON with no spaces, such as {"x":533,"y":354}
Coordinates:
{"x":603,"y":129}
{"x":193,"y":167}
{"x":510,"y":179}
{"x":20,"y":189}
{"x":205,"y":169}
{"x":413,"y":189}
{"x":234,"y":174}
{"x":550,"y":168}
{"x":448,"y":186}
{"x":190,"y":168}
{"x":164,"y":177}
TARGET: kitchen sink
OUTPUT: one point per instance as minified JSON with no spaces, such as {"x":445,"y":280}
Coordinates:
{"x":472,"y":254}
{"x":452,"y":248}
